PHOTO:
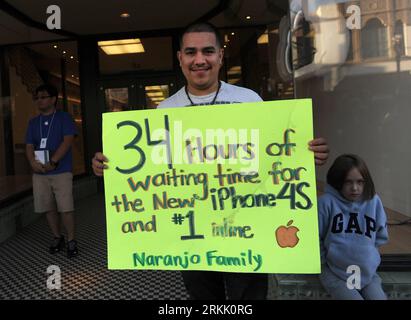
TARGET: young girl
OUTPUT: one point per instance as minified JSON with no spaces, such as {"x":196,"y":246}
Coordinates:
{"x":352,"y":225}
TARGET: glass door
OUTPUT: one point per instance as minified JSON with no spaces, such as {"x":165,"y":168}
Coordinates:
{"x":153,"y":91}
{"x":134,"y":94}
{"x":118,"y":95}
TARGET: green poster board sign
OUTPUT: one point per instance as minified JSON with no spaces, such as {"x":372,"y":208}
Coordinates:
{"x":223,"y":188}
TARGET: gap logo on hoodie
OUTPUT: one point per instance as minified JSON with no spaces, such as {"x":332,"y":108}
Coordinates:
{"x":340,"y":224}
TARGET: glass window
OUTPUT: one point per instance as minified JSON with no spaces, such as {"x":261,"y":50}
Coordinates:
{"x":361,"y":100}
{"x":116,"y":99}
{"x":251,"y":60}
{"x":28,"y":67}
{"x":399,"y":38}
{"x":155,"y":94}
{"x":374,"y":42}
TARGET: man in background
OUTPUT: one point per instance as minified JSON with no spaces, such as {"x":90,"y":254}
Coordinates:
{"x":49,"y":139}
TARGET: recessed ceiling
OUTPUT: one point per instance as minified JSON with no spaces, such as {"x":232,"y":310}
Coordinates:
{"x":93,"y":17}
{"x":49,"y":58}
{"x":103,"y":16}
{"x":14,"y":31}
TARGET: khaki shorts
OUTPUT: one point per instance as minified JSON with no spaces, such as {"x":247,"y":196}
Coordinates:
{"x":52,"y":190}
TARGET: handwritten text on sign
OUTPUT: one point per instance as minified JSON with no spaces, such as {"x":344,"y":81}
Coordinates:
{"x":227,"y":188}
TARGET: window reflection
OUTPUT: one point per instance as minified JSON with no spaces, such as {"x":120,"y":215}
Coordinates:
{"x":359,"y":81}
{"x":399,"y":38}
{"x":250,"y":60}
{"x":155,"y":94}
{"x":374,"y":42}
{"x":116,"y":99}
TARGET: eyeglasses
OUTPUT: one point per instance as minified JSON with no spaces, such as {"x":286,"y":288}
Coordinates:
{"x":41,"y":98}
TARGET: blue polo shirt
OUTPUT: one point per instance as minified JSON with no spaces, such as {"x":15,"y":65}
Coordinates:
{"x":42,"y":126}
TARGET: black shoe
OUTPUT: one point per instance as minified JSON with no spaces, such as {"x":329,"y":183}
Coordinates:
{"x":72,"y":249}
{"x":57,"y":245}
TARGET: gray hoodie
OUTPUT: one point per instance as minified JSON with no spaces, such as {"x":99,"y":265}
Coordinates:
{"x":350,"y":233}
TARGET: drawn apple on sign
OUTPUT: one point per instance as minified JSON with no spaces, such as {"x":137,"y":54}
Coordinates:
{"x":287,"y":235}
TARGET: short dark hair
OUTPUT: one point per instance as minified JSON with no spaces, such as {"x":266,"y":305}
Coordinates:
{"x":339,"y":170}
{"x":202,"y":27}
{"x":50,"y":89}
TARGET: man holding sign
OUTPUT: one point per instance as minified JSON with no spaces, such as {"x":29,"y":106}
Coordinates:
{"x":200,"y":58}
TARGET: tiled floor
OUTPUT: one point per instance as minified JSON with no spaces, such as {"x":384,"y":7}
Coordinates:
{"x":24,"y":261}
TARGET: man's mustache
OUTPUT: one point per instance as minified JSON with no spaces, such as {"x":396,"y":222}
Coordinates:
{"x":199,"y":68}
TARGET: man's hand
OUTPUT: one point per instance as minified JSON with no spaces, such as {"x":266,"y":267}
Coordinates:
{"x":37,"y":167}
{"x":97,"y":163}
{"x":321,"y":151}
{"x":49,"y":167}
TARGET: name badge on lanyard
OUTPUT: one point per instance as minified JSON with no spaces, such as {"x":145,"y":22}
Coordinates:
{"x":43,"y":143}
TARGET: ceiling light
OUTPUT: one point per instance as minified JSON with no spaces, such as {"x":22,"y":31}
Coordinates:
{"x":55,"y":46}
{"x":125,"y":15}
{"x":236,"y":70}
{"x":71,"y":57}
{"x":263,"y":39}
{"x":248,"y":17}
{"x":64,"y":52}
{"x":153,"y":88}
{"x":154,"y":94}
{"x":232,"y":33}
{"x":124,"y":46}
